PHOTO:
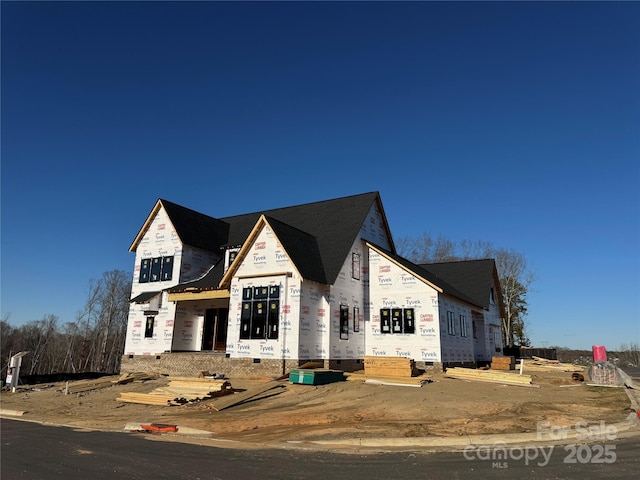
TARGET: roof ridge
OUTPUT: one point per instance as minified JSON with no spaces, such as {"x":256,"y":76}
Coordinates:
{"x":298,"y":205}
{"x":459,"y":261}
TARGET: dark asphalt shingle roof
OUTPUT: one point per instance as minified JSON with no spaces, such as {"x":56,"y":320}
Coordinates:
{"x":473,"y":277}
{"x":317,"y":236}
{"x":302,"y":249}
{"x":195,"y":228}
{"x":144,"y":297}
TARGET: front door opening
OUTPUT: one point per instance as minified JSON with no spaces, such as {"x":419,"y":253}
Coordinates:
{"x":214,"y":336}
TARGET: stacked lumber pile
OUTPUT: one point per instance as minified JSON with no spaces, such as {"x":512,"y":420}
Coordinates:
{"x":179,"y":391}
{"x":539,"y":363}
{"x":390,"y":367}
{"x":490,"y":376}
{"x":104,"y":382}
{"x":503,"y":363}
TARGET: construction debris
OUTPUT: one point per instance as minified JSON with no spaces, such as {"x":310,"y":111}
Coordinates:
{"x":490,"y":376}
{"x":374,"y":381}
{"x":180,"y":391}
{"x":360,"y":376}
{"x":577,"y":377}
{"x":539,"y":363}
{"x":108,"y":381}
{"x":159,"y":428}
{"x":604,"y":374}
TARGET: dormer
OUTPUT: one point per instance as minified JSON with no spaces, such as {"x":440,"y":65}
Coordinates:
{"x":230,"y":254}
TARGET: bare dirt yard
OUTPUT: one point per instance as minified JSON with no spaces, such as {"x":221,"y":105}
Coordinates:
{"x":346,"y":409}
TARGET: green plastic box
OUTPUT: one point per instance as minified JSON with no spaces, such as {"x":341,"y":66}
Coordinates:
{"x":315,"y":377}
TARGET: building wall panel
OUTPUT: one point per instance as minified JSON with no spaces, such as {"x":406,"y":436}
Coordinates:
{"x":393,"y":287}
{"x":266,"y":264}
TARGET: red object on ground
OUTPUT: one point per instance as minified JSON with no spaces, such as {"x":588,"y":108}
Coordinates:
{"x":160,"y":428}
{"x":599,"y":353}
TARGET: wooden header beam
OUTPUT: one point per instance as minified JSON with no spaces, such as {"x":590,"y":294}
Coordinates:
{"x":204,"y":295}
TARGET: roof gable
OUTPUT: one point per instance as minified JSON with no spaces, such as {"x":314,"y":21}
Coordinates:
{"x":301,"y":248}
{"x":335,"y":225}
{"x":193,"y":228}
{"x":425,"y":276}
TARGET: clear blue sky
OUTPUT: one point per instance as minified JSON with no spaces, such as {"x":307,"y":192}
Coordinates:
{"x":512,"y":123}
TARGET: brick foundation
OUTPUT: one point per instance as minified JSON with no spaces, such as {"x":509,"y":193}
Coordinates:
{"x":192,"y":363}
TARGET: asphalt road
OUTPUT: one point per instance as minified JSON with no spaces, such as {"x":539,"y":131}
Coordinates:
{"x":32,"y":451}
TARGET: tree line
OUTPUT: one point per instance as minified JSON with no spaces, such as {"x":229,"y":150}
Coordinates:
{"x":94,"y":342}
{"x":515,"y":276}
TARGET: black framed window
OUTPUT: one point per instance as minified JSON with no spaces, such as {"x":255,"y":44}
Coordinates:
{"x":260,"y":292}
{"x":463,"y":326}
{"x":156,"y":269}
{"x":356,"y":319}
{"x":396,"y":320}
{"x":409,"y":324}
{"x":451,"y":324}
{"x":385,"y":320}
{"x":259,"y":319}
{"x":148,"y":328}
{"x":273,"y":319}
{"x":260,"y":315}
{"x":245,"y":321}
{"x":344,"y":322}
{"x":167,"y":268}
{"x":145,"y":270}
{"x":355,"y":266}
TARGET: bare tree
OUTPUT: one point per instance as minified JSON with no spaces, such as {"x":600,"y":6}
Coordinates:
{"x":418,"y":249}
{"x":7,"y":334}
{"x":444,"y":250}
{"x":36,"y":337}
{"x":112,"y":320}
{"x":515,"y":278}
{"x":86,"y":322}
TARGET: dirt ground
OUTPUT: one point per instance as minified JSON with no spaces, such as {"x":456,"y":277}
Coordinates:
{"x":348,"y":409}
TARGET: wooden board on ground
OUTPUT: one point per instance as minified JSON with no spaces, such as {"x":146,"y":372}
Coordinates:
{"x":238,"y":398}
{"x":362,"y":377}
{"x":106,"y":381}
{"x":543,"y":364}
{"x":544,"y":360}
{"x":490,"y":376}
